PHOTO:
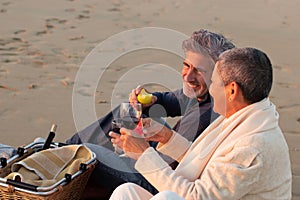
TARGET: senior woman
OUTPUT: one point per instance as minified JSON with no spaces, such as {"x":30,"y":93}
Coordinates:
{"x":241,"y":155}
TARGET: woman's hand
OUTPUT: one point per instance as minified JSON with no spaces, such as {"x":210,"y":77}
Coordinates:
{"x":133,"y":144}
{"x":154,"y":131}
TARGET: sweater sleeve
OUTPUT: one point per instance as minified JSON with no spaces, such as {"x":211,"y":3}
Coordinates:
{"x":176,"y":147}
{"x":229,"y":177}
{"x":168,"y":104}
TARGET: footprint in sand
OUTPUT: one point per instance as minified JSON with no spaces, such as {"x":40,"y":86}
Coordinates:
{"x":3,"y":10}
{"x":50,"y":24}
{"x":8,"y":41}
{"x":32,"y":86}
{"x":288,"y":85}
{"x":81,"y":16}
{"x":284,"y":22}
{"x":7,"y":88}
{"x":3,"y":72}
{"x":56,"y":20}
{"x":38,"y":64}
{"x":6,"y":3}
{"x":288,"y":106}
{"x":85,"y":92}
{"x":67,"y":81}
{"x":77,"y":38}
{"x":70,"y":10}
{"x":41,"y":33}
{"x":11,"y":47}
{"x":6,"y":112}
{"x":19,"y":31}
{"x":86,"y":12}
{"x":101,"y":101}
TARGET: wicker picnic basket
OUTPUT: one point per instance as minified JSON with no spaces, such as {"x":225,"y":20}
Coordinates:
{"x":68,"y":188}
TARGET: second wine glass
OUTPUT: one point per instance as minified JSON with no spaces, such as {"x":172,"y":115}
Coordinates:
{"x":130,"y":114}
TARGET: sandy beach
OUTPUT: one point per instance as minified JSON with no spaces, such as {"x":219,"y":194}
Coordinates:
{"x":44,"y":45}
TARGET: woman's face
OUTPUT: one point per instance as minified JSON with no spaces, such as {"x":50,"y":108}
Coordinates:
{"x":218,"y":92}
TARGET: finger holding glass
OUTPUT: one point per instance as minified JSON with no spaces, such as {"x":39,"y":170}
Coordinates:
{"x":116,"y":142}
{"x":115,"y":135}
{"x":133,"y":145}
{"x":156,"y":132}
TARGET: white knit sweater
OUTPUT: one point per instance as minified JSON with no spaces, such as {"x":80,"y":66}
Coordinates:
{"x":242,"y":157}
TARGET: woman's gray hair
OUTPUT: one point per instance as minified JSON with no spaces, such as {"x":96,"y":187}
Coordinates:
{"x":250,"y":68}
{"x":206,"y":42}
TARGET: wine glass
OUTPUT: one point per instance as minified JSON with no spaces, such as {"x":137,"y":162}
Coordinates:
{"x":130,"y":118}
{"x":130,"y":113}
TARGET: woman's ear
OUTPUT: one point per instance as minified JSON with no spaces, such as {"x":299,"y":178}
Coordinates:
{"x":233,"y":90}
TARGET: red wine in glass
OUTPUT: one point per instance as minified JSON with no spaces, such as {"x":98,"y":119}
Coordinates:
{"x":130,"y":122}
{"x":116,"y":125}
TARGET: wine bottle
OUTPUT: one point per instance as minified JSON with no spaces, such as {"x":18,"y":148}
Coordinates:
{"x":50,"y":137}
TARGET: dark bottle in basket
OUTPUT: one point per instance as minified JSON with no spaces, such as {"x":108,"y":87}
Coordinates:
{"x":50,"y":137}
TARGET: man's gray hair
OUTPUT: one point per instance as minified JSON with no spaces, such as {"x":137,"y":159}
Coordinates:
{"x":206,"y":42}
{"x":250,"y":68}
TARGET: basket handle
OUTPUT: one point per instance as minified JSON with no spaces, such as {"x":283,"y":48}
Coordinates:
{"x":21,"y":185}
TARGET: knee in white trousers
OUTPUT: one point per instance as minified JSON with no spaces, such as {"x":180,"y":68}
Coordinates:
{"x":131,"y":191}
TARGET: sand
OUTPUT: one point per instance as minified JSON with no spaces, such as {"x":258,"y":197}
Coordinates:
{"x":44,"y":44}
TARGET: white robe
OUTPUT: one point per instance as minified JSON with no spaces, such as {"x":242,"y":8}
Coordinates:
{"x":242,"y":157}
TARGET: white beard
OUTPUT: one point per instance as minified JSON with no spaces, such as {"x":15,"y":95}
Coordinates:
{"x":188,"y":91}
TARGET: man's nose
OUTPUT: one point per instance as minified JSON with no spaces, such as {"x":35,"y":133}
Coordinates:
{"x":190,"y":74}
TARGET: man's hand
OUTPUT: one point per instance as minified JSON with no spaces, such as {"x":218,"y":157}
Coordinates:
{"x":135,"y":92}
{"x":115,"y":139}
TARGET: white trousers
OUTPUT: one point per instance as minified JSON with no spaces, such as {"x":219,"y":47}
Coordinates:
{"x":131,"y":191}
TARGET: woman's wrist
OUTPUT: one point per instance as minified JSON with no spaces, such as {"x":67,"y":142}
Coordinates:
{"x":167,"y":137}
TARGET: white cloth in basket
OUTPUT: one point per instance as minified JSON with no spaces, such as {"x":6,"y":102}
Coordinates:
{"x":47,"y":167}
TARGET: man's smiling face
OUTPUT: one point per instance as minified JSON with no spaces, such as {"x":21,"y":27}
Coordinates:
{"x":196,"y":74}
